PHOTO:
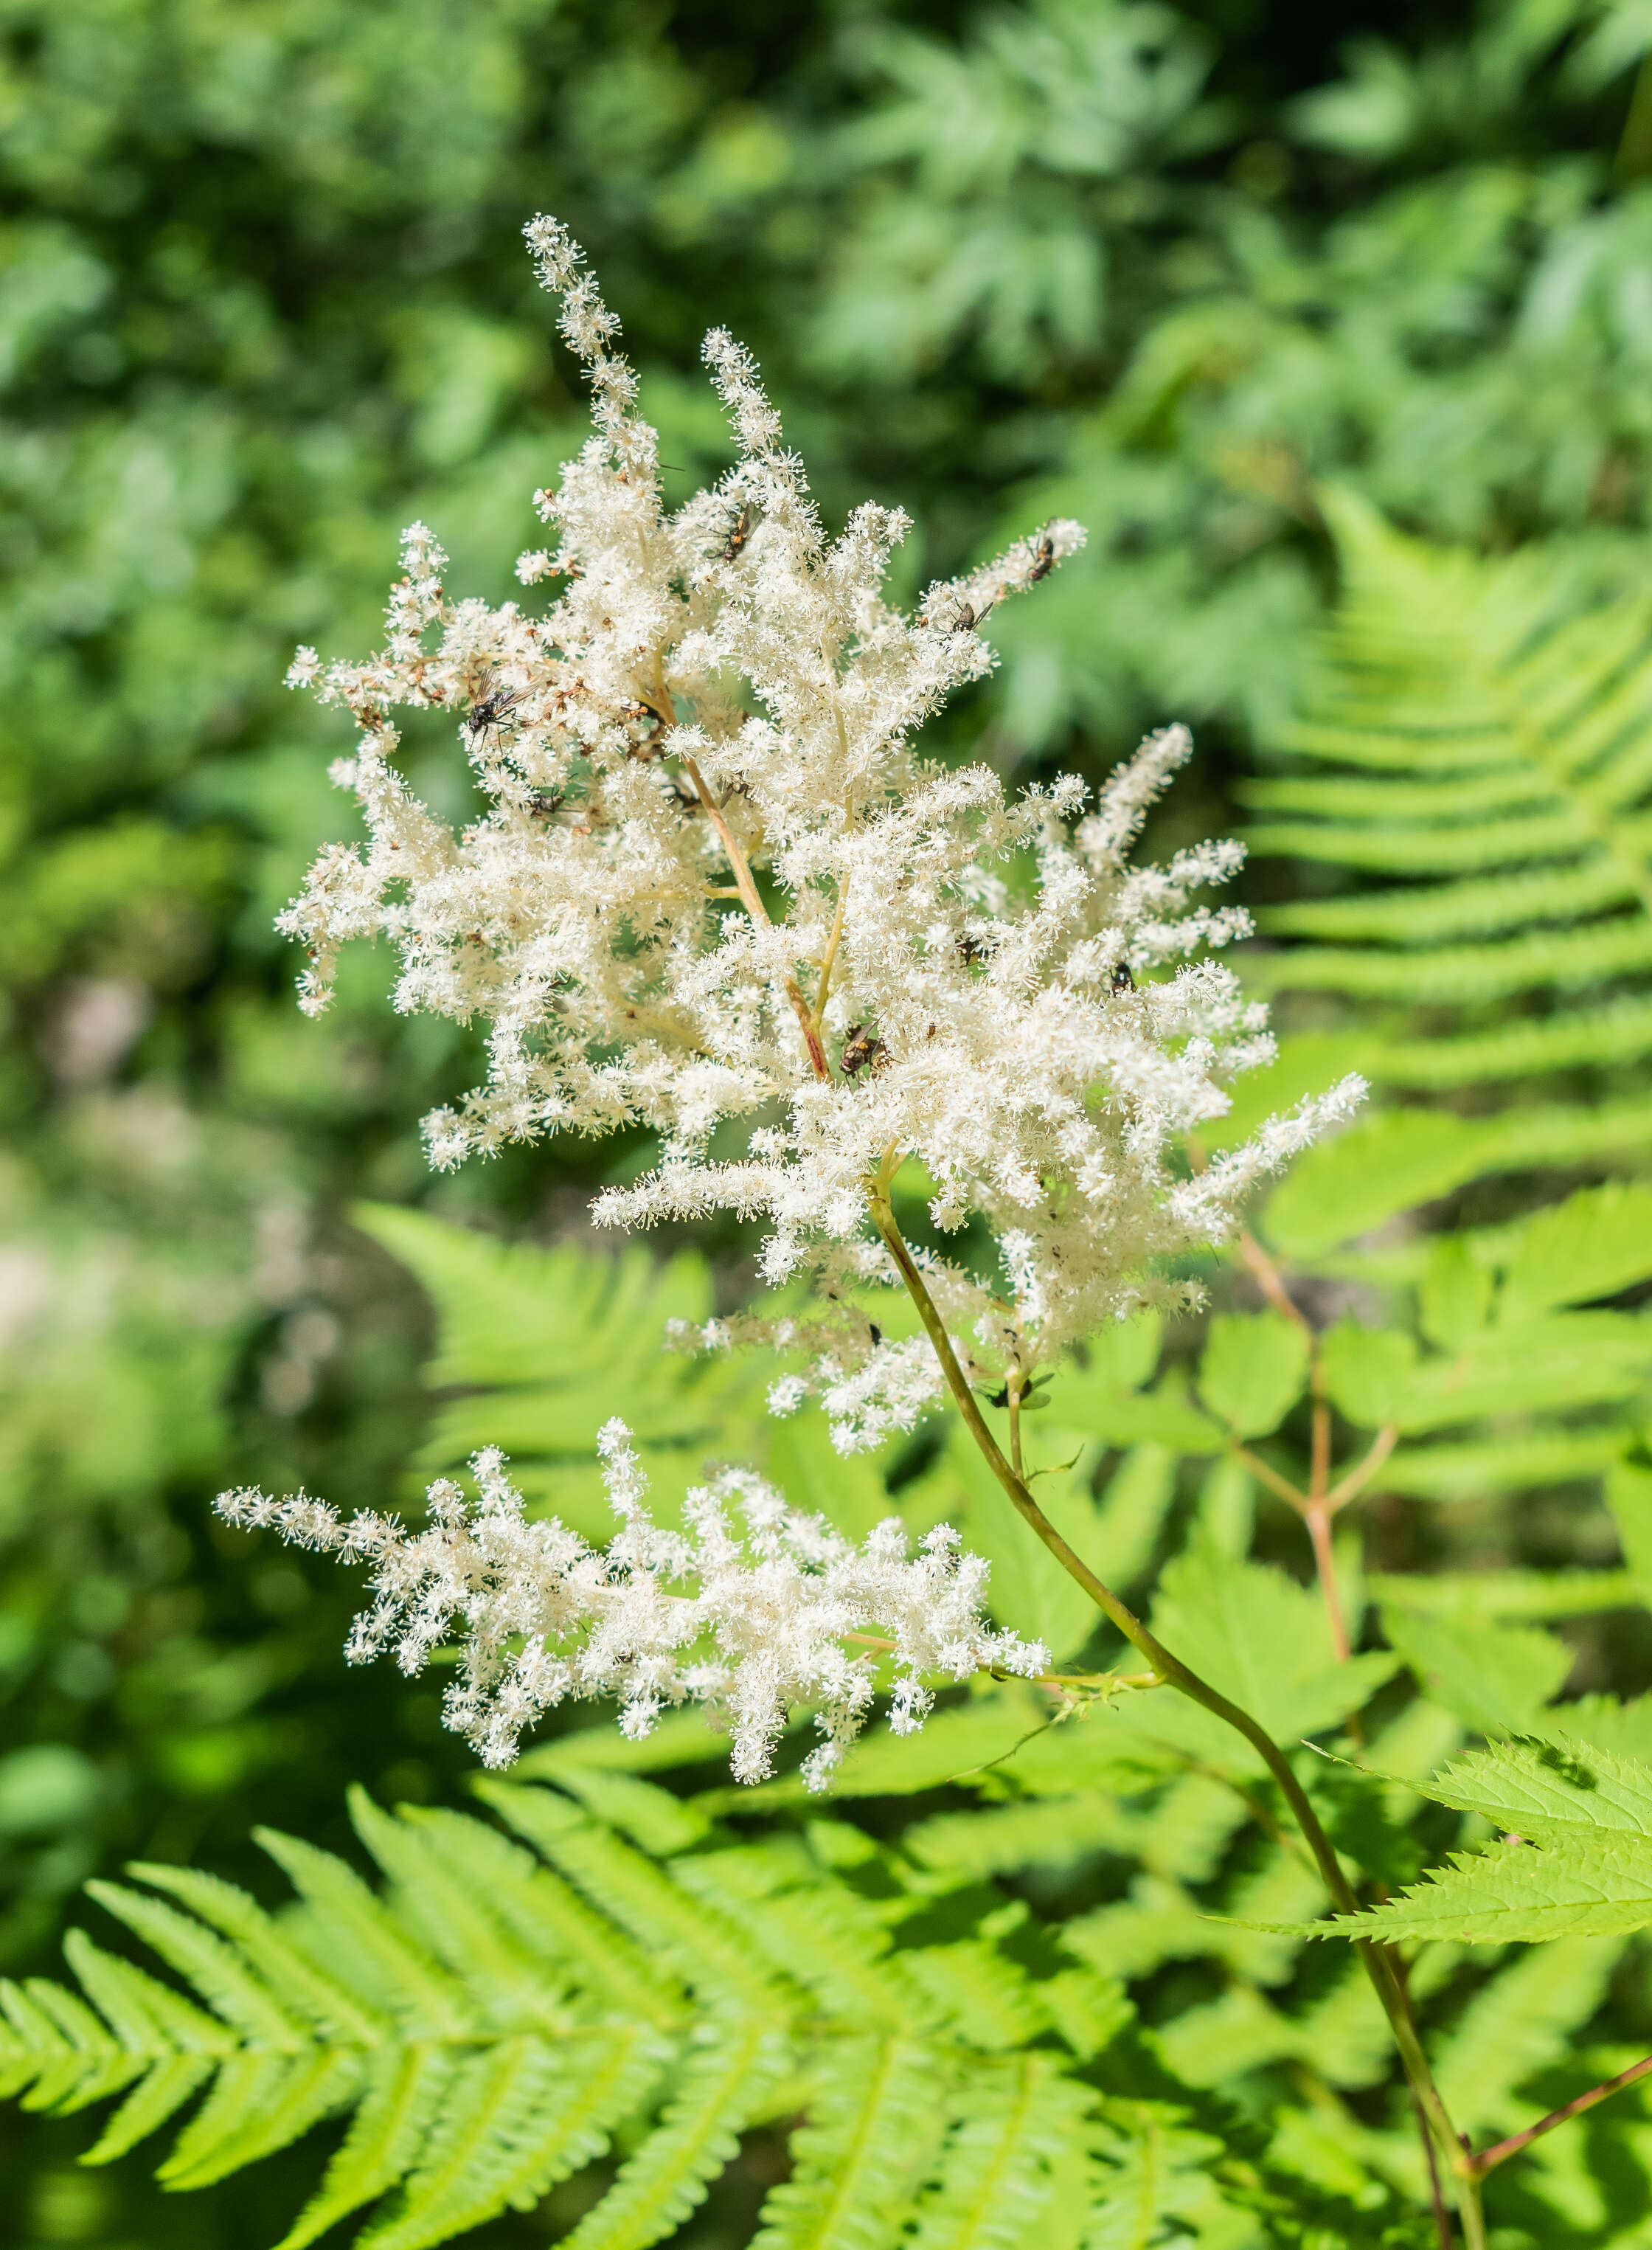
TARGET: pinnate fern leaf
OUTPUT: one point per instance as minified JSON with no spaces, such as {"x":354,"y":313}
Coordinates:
{"x":1465,"y":727}
{"x":490,"y":2020}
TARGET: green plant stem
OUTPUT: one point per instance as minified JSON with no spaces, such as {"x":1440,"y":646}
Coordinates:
{"x":1170,"y":1669}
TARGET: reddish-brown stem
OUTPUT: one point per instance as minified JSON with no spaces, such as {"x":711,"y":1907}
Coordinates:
{"x":1316,"y":1516}
{"x":1442,"y":2216}
{"x":1362,"y":1472}
{"x":1319,"y":1464}
{"x":1321,"y":1501}
{"x":1485,"y":2159}
{"x":1266,"y":1274}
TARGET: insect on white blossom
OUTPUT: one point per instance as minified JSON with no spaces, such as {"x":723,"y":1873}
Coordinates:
{"x":718,"y":886}
{"x":719,"y":889}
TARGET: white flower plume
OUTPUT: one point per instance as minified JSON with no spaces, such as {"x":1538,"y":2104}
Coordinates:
{"x":746,"y":1622}
{"x":716,"y":886}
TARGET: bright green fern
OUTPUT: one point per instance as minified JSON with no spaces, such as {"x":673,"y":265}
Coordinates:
{"x":1478,"y":769}
{"x":494,"y":2021}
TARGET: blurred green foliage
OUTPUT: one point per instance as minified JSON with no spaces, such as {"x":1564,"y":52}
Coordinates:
{"x":262,"y":300}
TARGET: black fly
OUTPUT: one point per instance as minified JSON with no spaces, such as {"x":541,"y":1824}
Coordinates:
{"x":492,"y":707}
{"x":1122,"y":979}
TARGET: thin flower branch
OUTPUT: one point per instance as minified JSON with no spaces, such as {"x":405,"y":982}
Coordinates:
{"x":1362,"y":1472}
{"x":1485,"y":2160}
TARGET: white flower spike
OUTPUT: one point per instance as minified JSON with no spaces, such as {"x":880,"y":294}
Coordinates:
{"x":717,"y":885}
{"x":747,"y":1622}
{"x":718,"y":890}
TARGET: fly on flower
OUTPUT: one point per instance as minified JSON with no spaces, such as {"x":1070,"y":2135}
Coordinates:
{"x":761,"y":863}
{"x":493,"y":707}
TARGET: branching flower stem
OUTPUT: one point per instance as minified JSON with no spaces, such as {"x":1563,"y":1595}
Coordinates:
{"x":745,"y":882}
{"x":829,"y":959}
{"x":1323,"y":1500}
{"x":1089,"y":1683}
{"x":1486,"y":2159}
{"x":1174,"y":1674}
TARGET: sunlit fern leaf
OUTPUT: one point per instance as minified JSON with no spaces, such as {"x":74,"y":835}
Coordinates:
{"x":1518,"y":2022}
{"x":323,"y":2000}
{"x":875,"y":2122}
{"x":707,"y":1947}
{"x":218,"y":1970}
{"x":460,"y":1921}
{"x":546,"y":1345}
{"x":517,"y":2119}
{"x":484,"y":2047}
{"x":358,"y":1931}
{"x":46,"y":2020}
{"x":999,"y":2169}
{"x":726,"y":2084}
{"x":1471,"y":738}
{"x":1156,"y":2168}
{"x":258,"y":2103}
{"x":404,"y":2087}
{"x":546,"y":1916}
{"x":829,"y":1942}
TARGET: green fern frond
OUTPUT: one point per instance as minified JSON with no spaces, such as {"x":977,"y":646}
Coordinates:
{"x":1470,"y":738}
{"x":489,"y":2025}
{"x":875,"y":2124}
{"x":1519,"y":2022}
{"x":999,"y":2172}
{"x":549,"y":1344}
{"x":708,"y":1948}
{"x":404,"y":2088}
{"x":517,"y":2118}
{"x":725,"y":2082}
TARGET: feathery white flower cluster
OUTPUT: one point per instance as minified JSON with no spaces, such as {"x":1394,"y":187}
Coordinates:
{"x":717,"y":885}
{"x":745,"y":1624}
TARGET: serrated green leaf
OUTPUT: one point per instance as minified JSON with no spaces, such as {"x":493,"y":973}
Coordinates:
{"x":1518,"y":1894}
{"x":1591,"y":1246}
{"x":1456,"y":1294}
{"x":1370,"y":1375}
{"x":1263,"y":1640}
{"x":1575,"y":1359}
{"x":1133,"y":1506}
{"x":1553,"y":1787}
{"x":1383,"y":1165}
{"x":1253,"y":1371}
{"x":1029,"y":1590}
{"x":1481,"y":1595}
